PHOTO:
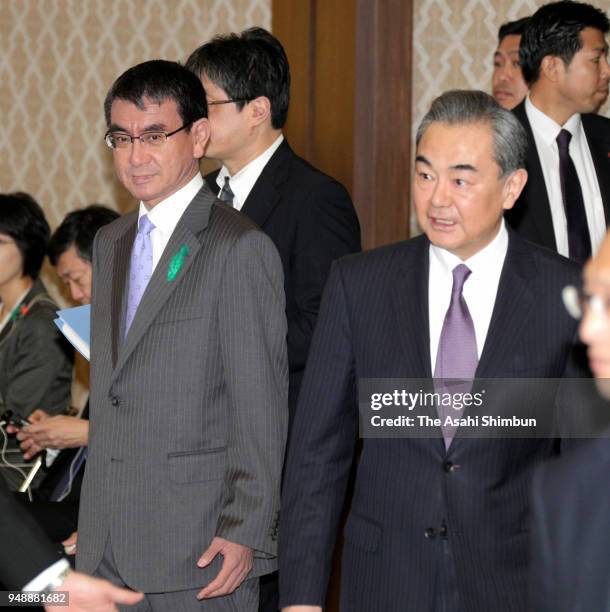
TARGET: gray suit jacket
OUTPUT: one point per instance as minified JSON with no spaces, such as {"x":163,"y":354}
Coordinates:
{"x":189,"y":413}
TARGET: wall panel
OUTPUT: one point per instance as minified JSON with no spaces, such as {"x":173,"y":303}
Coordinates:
{"x":59,"y":59}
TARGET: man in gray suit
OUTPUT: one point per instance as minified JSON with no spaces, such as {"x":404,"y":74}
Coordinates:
{"x":188,"y":406}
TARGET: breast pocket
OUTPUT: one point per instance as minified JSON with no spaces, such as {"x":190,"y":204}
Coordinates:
{"x":197,"y":466}
{"x":185,"y":313}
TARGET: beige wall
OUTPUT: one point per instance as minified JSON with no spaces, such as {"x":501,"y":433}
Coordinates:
{"x":59,"y":58}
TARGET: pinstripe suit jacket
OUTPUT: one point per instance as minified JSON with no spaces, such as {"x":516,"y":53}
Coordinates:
{"x":189,"y":414}
{"x":373,"y":323}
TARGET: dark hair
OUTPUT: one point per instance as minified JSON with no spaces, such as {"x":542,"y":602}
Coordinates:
{"x":78,"y":229}
{"x":554,"y":29}
{"x":160,"y":80}
{"x":22,"y":219}
{"x":461,"y":106}
{"x":246,"y":66}
{"x":512,"y":28}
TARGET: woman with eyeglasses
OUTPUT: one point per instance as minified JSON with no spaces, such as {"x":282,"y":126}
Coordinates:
{"x":35,"y":361}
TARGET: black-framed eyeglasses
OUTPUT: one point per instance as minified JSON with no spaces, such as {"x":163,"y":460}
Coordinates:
{"x":217,"y":102}
{"x":153,"y":138}
{"x":578,"y":302}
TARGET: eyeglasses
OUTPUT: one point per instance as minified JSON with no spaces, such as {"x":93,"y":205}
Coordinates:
{"x":577,"y":302}
{"x":120,"y":140}
{"x":216,"y":102}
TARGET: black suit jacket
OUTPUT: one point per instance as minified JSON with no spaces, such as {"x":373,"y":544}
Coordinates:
{"x":374,"y":324}
{"x":571,"y":532}
{"x":311,"y":220}
{"x":24,"y":549}
{"x":531,"y":214}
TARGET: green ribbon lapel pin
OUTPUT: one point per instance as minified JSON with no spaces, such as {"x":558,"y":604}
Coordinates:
{"x":176,"y":263}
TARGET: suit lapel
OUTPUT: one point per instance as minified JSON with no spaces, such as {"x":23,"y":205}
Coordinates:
{"x":514,"y":301}
{"x":410,"y":309}
{"x":193,"y":221}
{"x":120,"y":270}
{"x":410,"y":306}
{"x":599,"y":145}
{"x":537,"y":196}
{"x":265,"y":195}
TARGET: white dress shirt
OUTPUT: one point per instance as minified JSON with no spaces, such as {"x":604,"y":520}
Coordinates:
{"x":479,"y":290}
{"x":166,"y":214}
{"x":241,"y":182}
{"x":545,"y":134}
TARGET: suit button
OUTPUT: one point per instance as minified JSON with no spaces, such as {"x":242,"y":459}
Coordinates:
{"x":429,"y":533}
{"x":442,"y":532}
{"x":114,"y":401}
{"x":448,"y":466}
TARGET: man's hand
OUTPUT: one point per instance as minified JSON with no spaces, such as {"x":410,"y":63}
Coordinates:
{"x":235,"y":567}
{"x":87,"y":594}
{"x":53,"y":432}
{"x":302,"y":609}
{"x":69,"y":543}
{"x":36,"y":416}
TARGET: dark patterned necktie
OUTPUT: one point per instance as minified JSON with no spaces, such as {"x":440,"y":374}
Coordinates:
{"x":226,"y":194}
{"x":579,"y":242}
{"x":457,"y":356}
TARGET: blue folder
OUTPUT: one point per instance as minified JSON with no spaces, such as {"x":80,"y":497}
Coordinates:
{"x":75,"y":325}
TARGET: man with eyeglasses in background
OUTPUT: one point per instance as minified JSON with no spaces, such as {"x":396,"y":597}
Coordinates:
{"x":571,"y":501}
{"x":189,"y":376}
{"x":508,"y":86}
{"x":308,"y":215}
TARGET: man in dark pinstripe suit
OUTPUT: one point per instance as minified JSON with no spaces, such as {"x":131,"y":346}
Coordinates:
{"x":188,"y":406}
{"x":438,"y":523}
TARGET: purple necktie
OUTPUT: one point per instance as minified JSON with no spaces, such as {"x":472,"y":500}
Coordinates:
{"x":140,"y":269}
{"x":457,"y":350}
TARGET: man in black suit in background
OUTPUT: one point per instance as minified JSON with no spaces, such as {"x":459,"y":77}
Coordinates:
{"x":507,"y":85}
{"x":571,"y":497}
{"x":308,"y":215}
{"x":565,"y":205}
{"x":436,"y":523}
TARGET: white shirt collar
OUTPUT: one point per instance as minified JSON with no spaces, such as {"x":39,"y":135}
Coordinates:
{"x":242,"y":182}
{"x":166,"y":214}
{"x":482,"y":264}
{"x":548,"y":129}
